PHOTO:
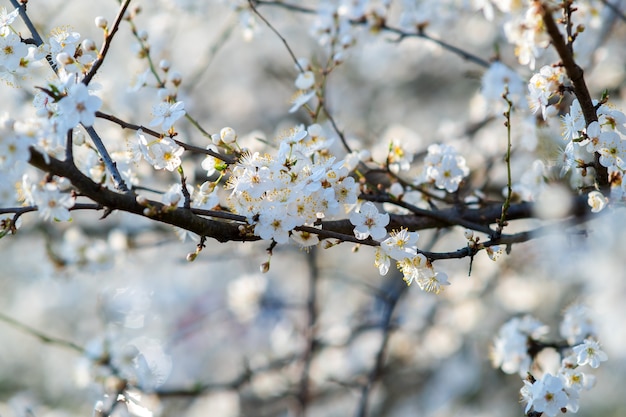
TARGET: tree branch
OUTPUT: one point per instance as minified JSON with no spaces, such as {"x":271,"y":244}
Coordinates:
{"x":185,"y":219}
{"x":576,"y":75}
{"x":224,"y":231}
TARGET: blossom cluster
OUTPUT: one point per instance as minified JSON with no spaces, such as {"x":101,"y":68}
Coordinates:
{"x":400,"y":245}
{"x":298,"y":186}
{"x":444,"y":167}
{"x":605,"y":137}
{"x":60,"y":106}
{"x":542,"y":87}
{"x":52,"y":198}
{"x":12,"y":49}
{"x":525,"y":30}
{"x":516,"y":349}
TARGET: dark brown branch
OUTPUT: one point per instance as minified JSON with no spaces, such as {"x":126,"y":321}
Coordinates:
{"x":342,"y":230}
{"x":185,"y":219}
{"x":574,"y":71}
{"x":576,"y":75}
{"x":125,"y":125}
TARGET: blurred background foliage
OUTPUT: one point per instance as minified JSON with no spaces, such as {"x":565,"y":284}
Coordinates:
{"x":216,"y":337}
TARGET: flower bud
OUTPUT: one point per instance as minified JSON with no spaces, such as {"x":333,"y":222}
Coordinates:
{"x":305,"y":80}
{"x":176,"y":78}
{"x":64,"y":58}
{"x":101,"y":22}
{"x":228,"y":135}
{"x":88,"y":45}
{"x":165,"y":65}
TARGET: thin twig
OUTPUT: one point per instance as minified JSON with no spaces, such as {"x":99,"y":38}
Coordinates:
{"x":286,"y":6}
{"x":220,"y":215}
{"x":191,"y":148}
{"x":29,"y":209}
{"x":507,"y":159}
{"x":277,"y":33}
{"x":448,"y":47}
{"x":127,"y":125}
{"x":40,"y":335}
{"x":342,"y":137}
{"x":183,"y":186}
{"x":107,"y":43}
{"x":402,"y":34}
